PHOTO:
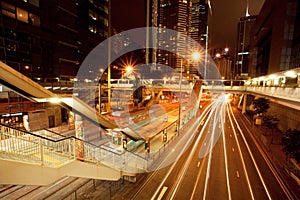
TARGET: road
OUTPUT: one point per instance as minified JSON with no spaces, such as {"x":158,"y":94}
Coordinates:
{"x":222,"y":161}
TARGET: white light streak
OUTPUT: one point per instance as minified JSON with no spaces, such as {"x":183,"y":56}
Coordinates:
{"x":241,"y":155}
{"x":251,"y":155}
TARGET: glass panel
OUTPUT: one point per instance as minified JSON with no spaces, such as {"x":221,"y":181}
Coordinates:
{"x":34,"y":19}
{"x":35,"y":2}
{"x":8,"y":10}
{"x":22,"y":15}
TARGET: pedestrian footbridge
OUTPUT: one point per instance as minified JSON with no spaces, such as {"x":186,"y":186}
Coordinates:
{"x":40,"y":159}
{"x":26,"y":157}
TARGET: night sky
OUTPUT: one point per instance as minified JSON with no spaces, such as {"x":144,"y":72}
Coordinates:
{"x":128,"y":14}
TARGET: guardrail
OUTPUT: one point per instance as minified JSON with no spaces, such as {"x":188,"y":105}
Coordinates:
{"x":52,"y":150}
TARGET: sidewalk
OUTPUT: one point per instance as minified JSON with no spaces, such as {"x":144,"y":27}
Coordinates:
{"x":273,"y":148}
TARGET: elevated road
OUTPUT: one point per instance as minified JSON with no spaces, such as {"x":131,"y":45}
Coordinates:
{"x":35,"y":92}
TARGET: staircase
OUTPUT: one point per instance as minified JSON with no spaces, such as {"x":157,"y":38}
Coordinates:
{"x":40,"y":159}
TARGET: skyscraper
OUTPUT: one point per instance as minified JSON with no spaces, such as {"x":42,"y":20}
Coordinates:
{"x":243,"y":46}
{"x":199,"y":19}
{"x":187,"y":17}
{"x":48,"y":40}
{"x":275,"y":38}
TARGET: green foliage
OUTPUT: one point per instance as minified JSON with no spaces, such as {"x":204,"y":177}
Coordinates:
{"x":270,"y":122}
{"x":261,"y":105}
{"x":291,"y":144}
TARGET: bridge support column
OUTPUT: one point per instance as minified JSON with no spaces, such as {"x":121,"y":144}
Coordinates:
{"x":244,"y":104}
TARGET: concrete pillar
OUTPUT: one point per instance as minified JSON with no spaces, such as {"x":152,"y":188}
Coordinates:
{"x":79,"y":133}
{"x":244,"y":103}
{"x":79,"y":127}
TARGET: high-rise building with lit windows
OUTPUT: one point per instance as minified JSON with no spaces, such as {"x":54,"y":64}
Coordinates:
{"x":48,"y":40}
{"x":175,"y":15}
{"x":199,"y":17}
{"x":185,"y":16}
{"x":243,"y":47}
{"x":275,"y":38}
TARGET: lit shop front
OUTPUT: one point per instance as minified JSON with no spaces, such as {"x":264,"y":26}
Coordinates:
{"x":16,"y":120}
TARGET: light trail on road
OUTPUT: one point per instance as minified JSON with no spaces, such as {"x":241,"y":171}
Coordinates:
{"x":225,"y":168}
{"x":241,"y":155}
{"x":188,"y":161}
{"x":203,"y":116}
{"x":265,"y":157}
{"x":166,"y":161}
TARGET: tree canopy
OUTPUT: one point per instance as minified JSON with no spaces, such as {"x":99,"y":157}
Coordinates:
{"x":261,"y":105}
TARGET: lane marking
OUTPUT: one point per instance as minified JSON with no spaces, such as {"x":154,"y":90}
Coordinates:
{"x":237,"y":174}
{"x":203,"y":115}
{"x":163,"y":191}
{"x":229,"y":111}
{"x":226,"y":162}
{"x":198,"y":164}
{"x":251,"y":155}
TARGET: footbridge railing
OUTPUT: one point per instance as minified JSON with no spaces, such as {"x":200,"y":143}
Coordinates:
{"x":53,"y":150}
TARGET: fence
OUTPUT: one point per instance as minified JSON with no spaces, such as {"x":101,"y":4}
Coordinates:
{"x":51,"y":149}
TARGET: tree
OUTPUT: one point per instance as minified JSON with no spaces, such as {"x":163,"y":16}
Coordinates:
{"x":271,"y":122}
{"x":291,"y":144}
{"x":261,"y":105}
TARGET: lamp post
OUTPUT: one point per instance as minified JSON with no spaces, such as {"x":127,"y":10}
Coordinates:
{"x":179,"y":101}
{"x":99,"y":89}
{"x":196,"y":57}
{"x":128,"y":69}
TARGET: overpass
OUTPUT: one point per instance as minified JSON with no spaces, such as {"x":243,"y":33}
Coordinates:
{"x":35,"y":92}
{"x":26,"y":157}
{"x":53,"y":157}
{"x":31,"y":156}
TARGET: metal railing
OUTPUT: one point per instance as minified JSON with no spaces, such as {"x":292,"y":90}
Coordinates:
{"x":52,"y":150}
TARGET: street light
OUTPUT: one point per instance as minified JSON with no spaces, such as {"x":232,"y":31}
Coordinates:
{"x":101,"y":70}
{"x":129,"y":69}
{"x":196,"y":57}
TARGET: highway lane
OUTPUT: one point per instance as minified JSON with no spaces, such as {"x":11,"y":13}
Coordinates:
{"x":156,"y":182}
{"x":270,"y":179}
{"x":232,"y":168}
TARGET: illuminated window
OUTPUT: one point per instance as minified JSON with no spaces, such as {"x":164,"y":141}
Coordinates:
{"x":105,"y":22}
{"x":35,"y":2}
{"x":92,"y":29}
{"x":8,"y":10}
{"x":22,"y":15}
{"x":34,"y":20}
{"x":106,"y":9}
{"x":93,"y":15}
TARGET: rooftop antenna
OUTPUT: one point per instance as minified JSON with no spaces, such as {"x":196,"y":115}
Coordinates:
{"x":247,"y":9}
{"x":209,"y":5}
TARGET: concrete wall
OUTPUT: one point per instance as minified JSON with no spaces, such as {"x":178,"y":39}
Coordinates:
{"x":40,"y":119}
{"x":289,"y":118}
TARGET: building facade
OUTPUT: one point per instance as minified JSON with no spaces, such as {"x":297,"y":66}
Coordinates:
{"x":275,"y":43}
{"x":243,"y":47}
{"x":186,"y":17}
{"x":199,"y":19}
{"x":48,"y":40}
